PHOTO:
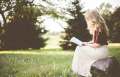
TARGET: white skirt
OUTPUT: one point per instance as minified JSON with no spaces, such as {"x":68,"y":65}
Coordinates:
{"x":84,"y":56}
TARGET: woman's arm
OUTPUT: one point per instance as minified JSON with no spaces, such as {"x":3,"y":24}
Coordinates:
{"x":94,"y":45}
{"x":95,"y":39}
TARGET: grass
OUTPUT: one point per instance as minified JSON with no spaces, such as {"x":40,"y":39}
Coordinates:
{"x":41,"y":63}
{"x":114,"y":50}
{"x":35,"y":63}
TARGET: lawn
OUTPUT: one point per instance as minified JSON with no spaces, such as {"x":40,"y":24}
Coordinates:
{"x":41,"y":63}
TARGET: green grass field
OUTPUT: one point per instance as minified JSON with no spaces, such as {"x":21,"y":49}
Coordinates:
{"x":41,"y":63}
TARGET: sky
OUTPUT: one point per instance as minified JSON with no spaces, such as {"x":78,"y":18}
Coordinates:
{"x":91,"y":4}
{"x":52,"y":24}
{"x":87,"y":3}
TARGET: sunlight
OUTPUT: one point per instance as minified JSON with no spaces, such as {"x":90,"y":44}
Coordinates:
{"x":53,"y":25}
{"x":37,"y":53}
{"x":91,"y":4}
{"x":1,"y":20}
{"x":114,"y":45}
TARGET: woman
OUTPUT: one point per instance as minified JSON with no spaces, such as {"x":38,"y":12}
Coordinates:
{"x":85,"y":55}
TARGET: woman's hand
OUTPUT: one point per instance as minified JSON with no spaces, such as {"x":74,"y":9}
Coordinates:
{"x":85,"y":43}
{"x":95,"y":45}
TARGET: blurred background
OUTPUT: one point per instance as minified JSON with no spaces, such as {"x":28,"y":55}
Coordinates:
{"x":35,"y":34}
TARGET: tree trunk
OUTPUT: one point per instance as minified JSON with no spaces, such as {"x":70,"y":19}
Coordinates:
{"x":3,"y":16}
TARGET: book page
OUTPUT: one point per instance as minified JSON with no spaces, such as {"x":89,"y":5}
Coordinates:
{"x":76,"y":41}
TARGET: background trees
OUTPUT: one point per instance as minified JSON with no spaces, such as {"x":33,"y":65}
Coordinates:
{"x":112,"y":18}
{"x":115,"y":20}
{"x":20,"y":30}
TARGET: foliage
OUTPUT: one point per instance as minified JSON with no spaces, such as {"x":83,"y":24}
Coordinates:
{"x":21,"y":30}
{"x":5,"y":6}
{"x":115,"y":20}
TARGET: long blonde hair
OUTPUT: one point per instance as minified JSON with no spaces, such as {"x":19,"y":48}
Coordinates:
{"x":97,"y":19}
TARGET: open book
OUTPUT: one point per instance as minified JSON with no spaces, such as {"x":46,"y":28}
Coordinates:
{"x":76,"y":41}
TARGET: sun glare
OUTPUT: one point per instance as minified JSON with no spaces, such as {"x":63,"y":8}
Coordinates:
{"x":53,"y":25}
{"x":91,"y":4}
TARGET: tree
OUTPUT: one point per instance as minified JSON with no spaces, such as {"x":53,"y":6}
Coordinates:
{"x":115,"y":20}
{"x":5,"y":6}
{"x":77,"y":27}
{"x":21,"y":31}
